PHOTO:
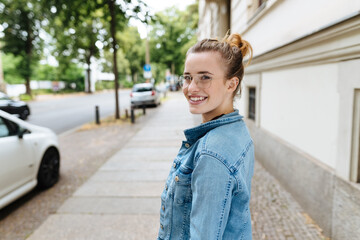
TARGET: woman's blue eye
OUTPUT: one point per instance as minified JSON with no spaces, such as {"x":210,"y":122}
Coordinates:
{"x":187,"y":78}
{"x":205,"y":77}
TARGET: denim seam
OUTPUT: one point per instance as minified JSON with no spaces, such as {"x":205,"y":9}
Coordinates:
{"x":223,"y":210}
{"x":217,"y":157}
{"x":184,"y":221}
{"x":241,"y":164}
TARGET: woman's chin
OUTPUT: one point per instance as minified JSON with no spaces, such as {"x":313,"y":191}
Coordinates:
{"x":195,"y":110}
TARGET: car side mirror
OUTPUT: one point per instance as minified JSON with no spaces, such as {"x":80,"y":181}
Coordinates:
{"x":22,"y":131}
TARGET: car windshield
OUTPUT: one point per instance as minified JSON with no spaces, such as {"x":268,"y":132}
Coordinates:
{"x":4,"y":96}
{"x":142,"y":88}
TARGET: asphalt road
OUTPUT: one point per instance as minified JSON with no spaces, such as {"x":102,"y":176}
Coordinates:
{"x":63,"y":114}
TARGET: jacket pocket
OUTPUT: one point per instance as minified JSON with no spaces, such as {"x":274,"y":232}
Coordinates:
{"x":182,"y":188}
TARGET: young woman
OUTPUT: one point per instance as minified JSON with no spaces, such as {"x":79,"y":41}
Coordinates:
{"x":207,"y":193}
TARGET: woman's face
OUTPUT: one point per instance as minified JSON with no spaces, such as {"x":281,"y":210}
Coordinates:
{"x":215,"y":99}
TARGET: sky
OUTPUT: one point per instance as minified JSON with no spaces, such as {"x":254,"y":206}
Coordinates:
{"x":160,"y":5}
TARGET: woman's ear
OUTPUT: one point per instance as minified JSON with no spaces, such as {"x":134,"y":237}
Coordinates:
{"x":232,"y":84}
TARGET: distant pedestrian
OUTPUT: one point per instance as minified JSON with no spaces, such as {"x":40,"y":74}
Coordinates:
{"x":207,"y":193}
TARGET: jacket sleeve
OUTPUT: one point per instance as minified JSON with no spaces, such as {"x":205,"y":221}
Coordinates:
{"x":212,"y":187}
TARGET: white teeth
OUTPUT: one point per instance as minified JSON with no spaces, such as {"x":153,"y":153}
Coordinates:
{"x":197,"y":98}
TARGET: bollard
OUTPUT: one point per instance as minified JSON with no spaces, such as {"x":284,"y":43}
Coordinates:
{"x":144,"y":109}
{"x":132,"y":115}
{"x":126,"y":114}
{"x":97,"y":117}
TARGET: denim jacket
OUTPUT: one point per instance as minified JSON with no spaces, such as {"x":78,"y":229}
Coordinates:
{"x":207,"y":192}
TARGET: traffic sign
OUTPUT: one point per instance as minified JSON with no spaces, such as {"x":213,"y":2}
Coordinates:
{"x":147,"y":68}
{"x":147,"y":74}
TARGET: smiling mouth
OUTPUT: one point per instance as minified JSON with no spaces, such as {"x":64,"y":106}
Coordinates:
{"x":197,"y":99}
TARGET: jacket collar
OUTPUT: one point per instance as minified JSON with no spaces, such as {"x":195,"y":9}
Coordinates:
{"x":193,"y":134}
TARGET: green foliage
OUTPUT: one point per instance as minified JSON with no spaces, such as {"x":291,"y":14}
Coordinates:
{"x":126,"y":84}
{"x":25,"y":97}
{"x":101,"y":85}
{"x":73,"y":74}
{"x":10,"y":69}
{"x":173,"y":32}
{"x":134,"y":49}
{"x":22,"y":21}
{"x":45,"y":72}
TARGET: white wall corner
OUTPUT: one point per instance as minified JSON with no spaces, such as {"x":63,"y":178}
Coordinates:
{"x":348,"y":81}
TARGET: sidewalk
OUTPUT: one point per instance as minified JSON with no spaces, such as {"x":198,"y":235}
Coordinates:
{"x":122,"y":199}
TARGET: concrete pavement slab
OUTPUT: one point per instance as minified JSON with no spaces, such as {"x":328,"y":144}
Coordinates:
{"x":97,"y":227}
{"x":143,"y":175}
{"x":111,"y":205}
{"x":121,"y":189}
{"x":133,"y":165}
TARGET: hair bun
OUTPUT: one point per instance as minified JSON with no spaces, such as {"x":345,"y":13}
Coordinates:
{"x":244,"y":46}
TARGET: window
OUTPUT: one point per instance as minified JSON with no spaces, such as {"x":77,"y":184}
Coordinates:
{"x":4,"y":131}
{"x":252,"y":101}
{"x":254,"y":7}
{"x":8,"y":128}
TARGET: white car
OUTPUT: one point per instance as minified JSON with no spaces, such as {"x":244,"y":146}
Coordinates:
{"x":144,"y":94}
{"x":29,"y":157}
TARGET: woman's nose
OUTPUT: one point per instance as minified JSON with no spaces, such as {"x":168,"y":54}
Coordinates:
{"x":193,"y":86}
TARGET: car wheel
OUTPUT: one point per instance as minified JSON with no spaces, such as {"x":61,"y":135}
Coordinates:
{"x":49,"y":168}
{"x":24,"y":114}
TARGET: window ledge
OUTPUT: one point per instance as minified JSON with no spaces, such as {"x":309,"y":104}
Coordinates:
{"x":259,"y":13}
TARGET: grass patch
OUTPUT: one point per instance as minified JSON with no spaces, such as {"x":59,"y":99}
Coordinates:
{"x":109,"y":121}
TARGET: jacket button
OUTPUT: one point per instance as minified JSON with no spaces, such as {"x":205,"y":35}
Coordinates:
{"x":187,"y":145}
{"x":163,"y":207}
{"x":174,"y":165}
{"x":166,"y":186}
{"x":161,"y":226}
{"x":176,"y":179}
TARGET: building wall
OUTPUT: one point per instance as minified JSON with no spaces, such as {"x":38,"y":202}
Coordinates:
{"x":306,"y":71}
{"x":214,"y":20}
{"x":300,"y":105}
{"x":283,"y":21}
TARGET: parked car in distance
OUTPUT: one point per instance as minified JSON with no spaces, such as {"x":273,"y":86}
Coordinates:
{"x":144,"y":94}
{"x":19,"y":108}
{"x":29,"y":157}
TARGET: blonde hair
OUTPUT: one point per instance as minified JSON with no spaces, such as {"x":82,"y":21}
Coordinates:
{"x":233,"y":49}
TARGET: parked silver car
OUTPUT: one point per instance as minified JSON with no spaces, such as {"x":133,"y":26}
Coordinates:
{"x":144,"y":94}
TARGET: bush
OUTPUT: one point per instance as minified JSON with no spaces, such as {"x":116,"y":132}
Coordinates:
{"x":25,"y":97}
{"x":101,"y":85}
{"x":127,"y":84}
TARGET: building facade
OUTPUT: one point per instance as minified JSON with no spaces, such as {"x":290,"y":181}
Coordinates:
{"x":301,"y":98}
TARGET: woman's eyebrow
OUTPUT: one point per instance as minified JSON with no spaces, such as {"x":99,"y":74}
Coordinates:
{"x":201,"y":72}
{"x":205,"y":72}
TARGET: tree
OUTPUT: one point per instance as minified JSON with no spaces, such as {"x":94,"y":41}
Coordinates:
{"x":134,"y":49}
{"x":119,"y":11}
{"x":173,"y":32}
{"x":76,"y":27}
{"x":22,"y":22}
{"x":114,"y":13}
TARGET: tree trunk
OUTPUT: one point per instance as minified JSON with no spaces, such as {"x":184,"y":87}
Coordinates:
{"x":28,"y":49}
{"x":2,"y":81}
{"x":111,"y":4}
{"x":88,"y":73}
{"x":27,"y":85}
